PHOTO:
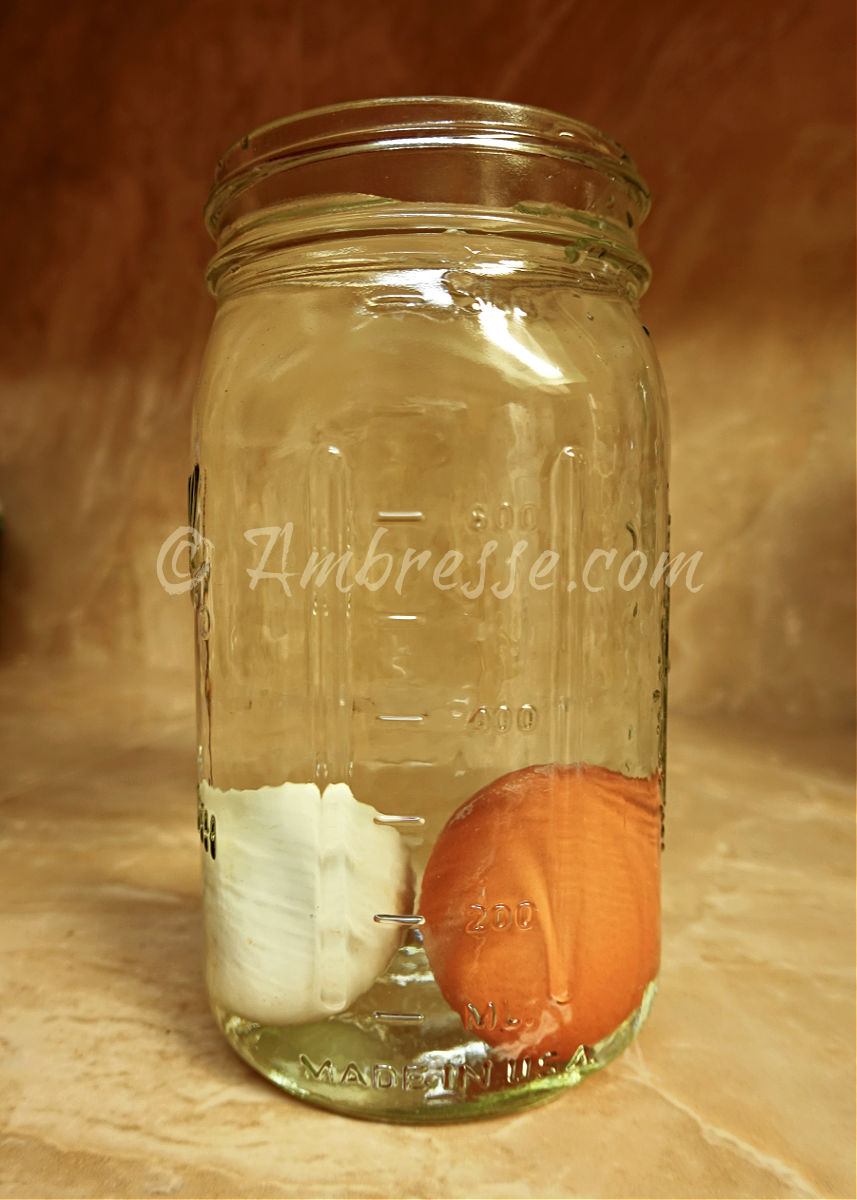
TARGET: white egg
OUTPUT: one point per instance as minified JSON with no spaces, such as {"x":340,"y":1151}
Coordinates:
{"x":290,"y":898}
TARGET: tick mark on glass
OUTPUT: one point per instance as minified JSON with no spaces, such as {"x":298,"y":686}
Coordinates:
{"x":402,"y":516}
{"x":399,"y":1018}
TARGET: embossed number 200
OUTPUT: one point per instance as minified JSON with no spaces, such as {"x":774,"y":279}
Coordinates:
{"x":501,"y":917}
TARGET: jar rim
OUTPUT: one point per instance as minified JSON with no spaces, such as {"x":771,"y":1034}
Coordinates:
{"x":415,"y":121}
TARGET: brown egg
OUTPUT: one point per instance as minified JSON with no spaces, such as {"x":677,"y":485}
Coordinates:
{"x":541,"y":901}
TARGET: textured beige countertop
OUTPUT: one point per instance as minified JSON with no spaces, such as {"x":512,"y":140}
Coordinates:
{"x":115,"y":1082}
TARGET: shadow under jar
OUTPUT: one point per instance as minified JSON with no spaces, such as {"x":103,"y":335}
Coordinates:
{"x":429,"y":496}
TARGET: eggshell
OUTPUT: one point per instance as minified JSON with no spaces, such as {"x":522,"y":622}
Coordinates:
{"x":290,"y":899}
{"x":541,"y":901}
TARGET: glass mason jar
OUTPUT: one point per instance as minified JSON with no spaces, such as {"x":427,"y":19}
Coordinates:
{"x":429,"y":497}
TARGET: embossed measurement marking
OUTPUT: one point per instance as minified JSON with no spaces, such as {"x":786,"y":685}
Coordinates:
{"x":400,"y":918}
{"x":501,"y":917}
{"x":398,"y":1018}
{"x":383,"y":819}
{"x":399,"y":515}
{"x":396,"y":717}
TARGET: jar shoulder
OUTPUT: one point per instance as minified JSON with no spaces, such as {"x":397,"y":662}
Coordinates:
{"x":306,"y":357}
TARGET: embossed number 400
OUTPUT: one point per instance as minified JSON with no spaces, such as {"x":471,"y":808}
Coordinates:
{"x":503,"y":718}
{"x":501,"y":917}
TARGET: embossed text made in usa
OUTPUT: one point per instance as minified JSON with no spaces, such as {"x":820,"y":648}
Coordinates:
{"x":442,"y":1079}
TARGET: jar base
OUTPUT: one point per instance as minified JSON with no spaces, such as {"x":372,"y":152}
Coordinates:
{"x":357,"y":1067}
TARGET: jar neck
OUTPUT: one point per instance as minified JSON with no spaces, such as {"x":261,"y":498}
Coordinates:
{"x":301,"y":193}
{"x":286,"y":252}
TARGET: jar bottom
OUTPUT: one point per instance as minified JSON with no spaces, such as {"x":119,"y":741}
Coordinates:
{"x":372,"y":1063}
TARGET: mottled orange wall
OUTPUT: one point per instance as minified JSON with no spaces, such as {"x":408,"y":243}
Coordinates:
{"x":741,"y":116}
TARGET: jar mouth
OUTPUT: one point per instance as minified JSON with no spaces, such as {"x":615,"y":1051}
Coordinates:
{"x":410,"y":150}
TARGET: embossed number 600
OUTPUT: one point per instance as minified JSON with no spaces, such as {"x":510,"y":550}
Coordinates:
{"x":501,"y":917}
{"x":504,"y":516}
